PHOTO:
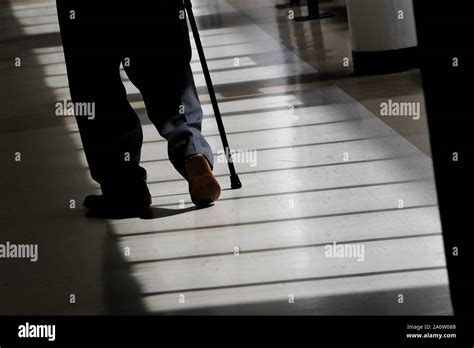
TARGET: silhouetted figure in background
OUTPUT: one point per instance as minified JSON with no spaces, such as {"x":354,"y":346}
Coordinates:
{"x":151,"y":40}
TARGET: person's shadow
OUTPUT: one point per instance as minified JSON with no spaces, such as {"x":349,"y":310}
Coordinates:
{"x":150,"y":214}
{"x":123,"y":295}
{"x":160,"y":213}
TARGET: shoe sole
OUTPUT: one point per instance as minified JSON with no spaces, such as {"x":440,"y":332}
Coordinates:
{"x":203,"y":186}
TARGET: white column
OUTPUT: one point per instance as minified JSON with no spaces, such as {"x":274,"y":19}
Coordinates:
{"x":376,"y":25}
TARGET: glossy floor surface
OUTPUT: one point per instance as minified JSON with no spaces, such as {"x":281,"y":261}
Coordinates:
{"x":318,"y":167}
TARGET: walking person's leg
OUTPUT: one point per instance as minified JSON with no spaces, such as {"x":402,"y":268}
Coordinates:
{"x":159,"y":54}
{"x":112,"y":139}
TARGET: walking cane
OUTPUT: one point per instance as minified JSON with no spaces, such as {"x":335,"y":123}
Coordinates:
{"x":234,"y":178}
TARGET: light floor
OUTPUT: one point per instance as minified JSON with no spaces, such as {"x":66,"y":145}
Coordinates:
{"x":318,"y":167}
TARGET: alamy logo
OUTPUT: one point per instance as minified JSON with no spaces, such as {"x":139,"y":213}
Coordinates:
{"x":406,"y":109}
{"x":37,"y":331}
{"x":68,"y":108}
{"x":355,"y":251}
{"x":241,"y":156}
{"x":19,"y":251}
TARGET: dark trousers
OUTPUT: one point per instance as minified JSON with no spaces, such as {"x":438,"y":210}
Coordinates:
{"x":151,"y":41}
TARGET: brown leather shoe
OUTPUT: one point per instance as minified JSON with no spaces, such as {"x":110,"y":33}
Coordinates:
{"x":203,"y":186}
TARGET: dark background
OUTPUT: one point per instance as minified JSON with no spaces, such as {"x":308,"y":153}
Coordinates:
{"x":445,"y":32}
